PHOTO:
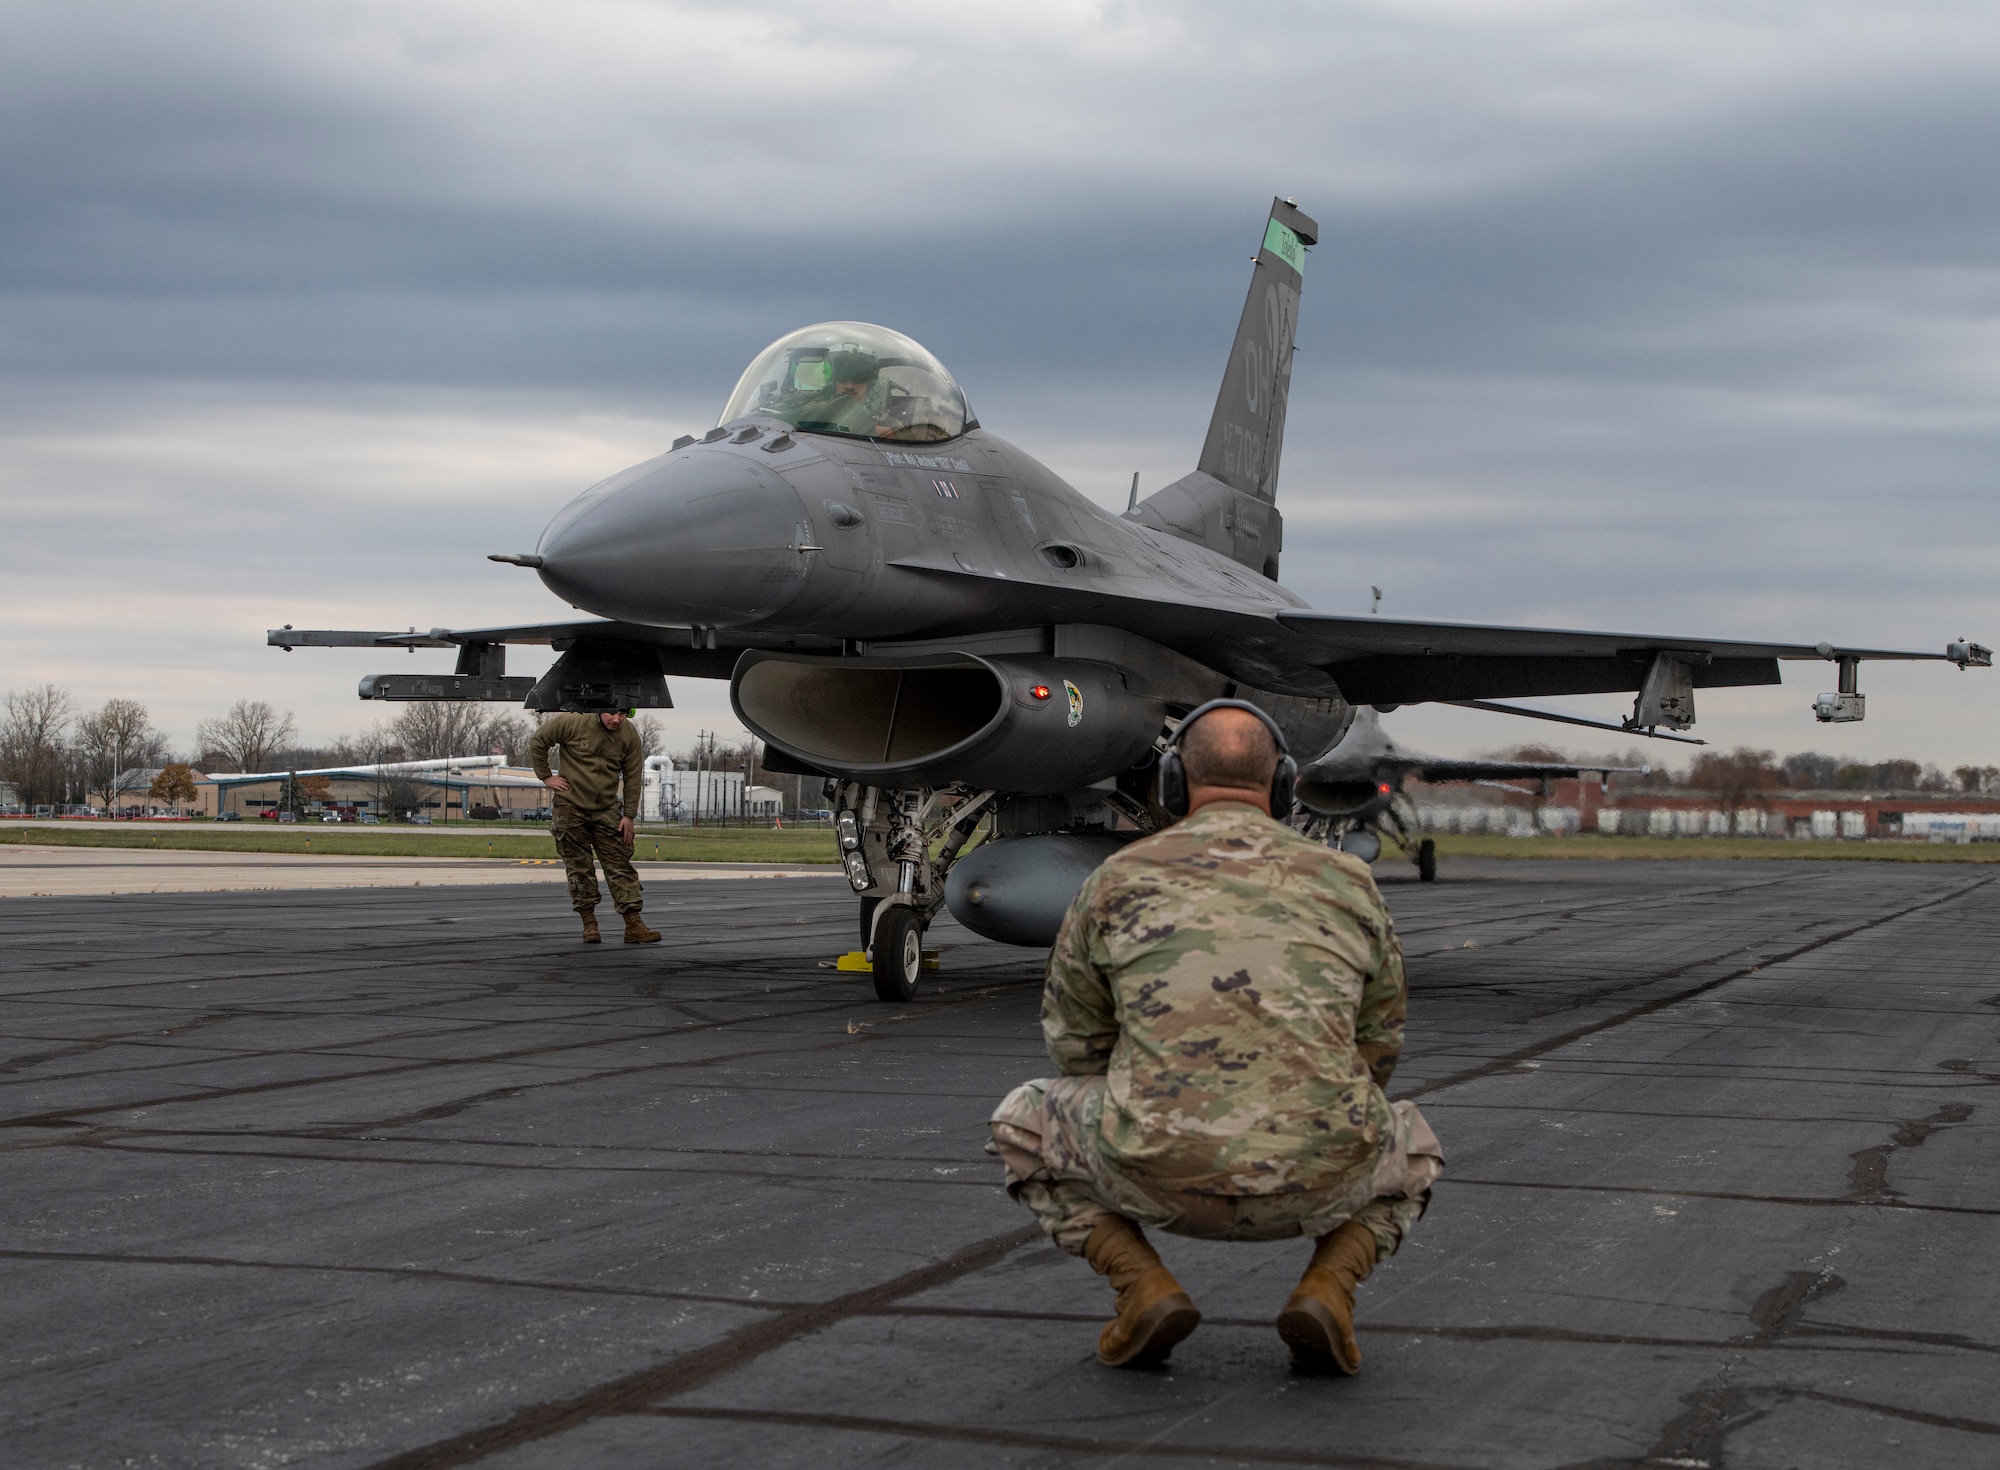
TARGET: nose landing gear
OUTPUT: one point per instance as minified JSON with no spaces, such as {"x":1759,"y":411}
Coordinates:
{"x":916,"y":836}
{"x":1364,"y":838}
{"x":899,"y":953}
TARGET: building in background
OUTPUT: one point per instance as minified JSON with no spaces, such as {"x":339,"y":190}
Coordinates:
{"x":459,"y":788}
{"x":135,"y":796}
{"x":1572,"y":806}
{"x":698,"y":795}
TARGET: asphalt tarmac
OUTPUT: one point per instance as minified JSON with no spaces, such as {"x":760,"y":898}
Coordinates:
{"x":28,"y":871}
{"x":404,"y":1177}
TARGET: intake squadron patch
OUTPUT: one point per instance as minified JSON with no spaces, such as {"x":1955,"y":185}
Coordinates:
{"x":1075,"y":702}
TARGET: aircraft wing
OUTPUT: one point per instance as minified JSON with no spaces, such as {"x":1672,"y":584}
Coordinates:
{"x":1348,"y":635}
{"x":1383,"y":661}
{"x":1368,"y":660}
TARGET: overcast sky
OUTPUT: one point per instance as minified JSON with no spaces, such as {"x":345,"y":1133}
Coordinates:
{"x":1639,"y":316}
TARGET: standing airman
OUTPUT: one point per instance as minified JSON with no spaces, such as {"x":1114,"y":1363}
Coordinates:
{"x":603,"y":770}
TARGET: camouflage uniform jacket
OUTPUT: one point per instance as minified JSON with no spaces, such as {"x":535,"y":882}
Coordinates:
{"x":1242,"y":989}
{"x":593,"y":760}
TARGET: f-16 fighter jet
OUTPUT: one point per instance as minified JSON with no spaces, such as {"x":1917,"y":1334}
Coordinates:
{"x":1354,"y":792}
{"x":930,"y":619}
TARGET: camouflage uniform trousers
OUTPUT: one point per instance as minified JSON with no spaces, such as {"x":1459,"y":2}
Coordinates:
{"x":1046,"y":1132}
{"x":581,"y":836}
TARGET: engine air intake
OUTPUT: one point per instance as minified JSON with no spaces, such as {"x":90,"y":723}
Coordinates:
{"x":1022,"y":723}
{"x":859,"y":716}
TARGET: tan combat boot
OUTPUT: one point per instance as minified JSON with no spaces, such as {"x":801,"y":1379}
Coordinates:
{"x":1317,"y":1323}
{"x":590,"y":934}
{"x":1153,"y":1312}
{"x":636,"y":931}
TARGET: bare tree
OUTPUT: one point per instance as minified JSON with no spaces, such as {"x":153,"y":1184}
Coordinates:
{"x":113,"y":741}
{"x":1976,"y":780}
{"x":1737,"y":778}
{"x":507,"y":735}
{"x":31,"y":741}
{"x":1892,"y":775}
{"x":248,"y":736}
{"x":436,"y":730}
{"x":1808,"y":770}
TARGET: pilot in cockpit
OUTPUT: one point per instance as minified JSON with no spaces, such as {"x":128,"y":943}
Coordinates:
{"x":854,"y":400}
{"x":851,"y":378}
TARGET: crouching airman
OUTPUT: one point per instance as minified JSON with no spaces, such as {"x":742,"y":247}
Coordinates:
{"x":1225,"y":1003}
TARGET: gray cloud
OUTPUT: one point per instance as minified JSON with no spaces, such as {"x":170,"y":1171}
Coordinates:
{"x":1654,"y":317}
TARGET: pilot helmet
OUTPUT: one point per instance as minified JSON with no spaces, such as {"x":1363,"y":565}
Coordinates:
{"x":853,"y":366}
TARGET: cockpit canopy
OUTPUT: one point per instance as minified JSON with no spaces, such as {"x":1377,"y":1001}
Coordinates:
{"x":851,"y":378}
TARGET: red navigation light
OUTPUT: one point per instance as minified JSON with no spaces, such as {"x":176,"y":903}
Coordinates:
{"x":1383,"y":788}
{"x":1040,"y":691}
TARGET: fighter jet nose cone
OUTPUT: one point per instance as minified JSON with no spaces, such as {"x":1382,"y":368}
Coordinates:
{"x":701,"y":537}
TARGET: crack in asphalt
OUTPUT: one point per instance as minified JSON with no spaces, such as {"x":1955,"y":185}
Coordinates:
{"x":1868,"y":1181}
{"x":1541,"y":1048}
{"x":701,"y":1366}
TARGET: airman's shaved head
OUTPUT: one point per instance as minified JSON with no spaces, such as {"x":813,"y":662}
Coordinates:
{"x":1229,"y":747}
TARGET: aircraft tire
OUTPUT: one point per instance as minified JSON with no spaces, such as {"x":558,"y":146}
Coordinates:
{"x":1427,"y":861}
{"x":899,"y":953}
{"x":867,"y":918}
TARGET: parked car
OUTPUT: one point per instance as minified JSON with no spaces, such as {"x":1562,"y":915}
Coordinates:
{"x":288,"y":816}
{"x":230,"y":817}
{"x":419,"y":819}
{"x":369,"y":819}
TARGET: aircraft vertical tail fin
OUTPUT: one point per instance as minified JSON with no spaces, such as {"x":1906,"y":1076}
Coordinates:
{"x":1247,"y":429}
{"x":1229,"y":503}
